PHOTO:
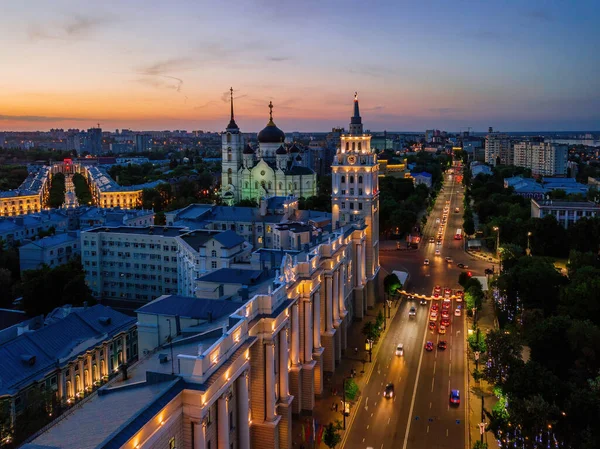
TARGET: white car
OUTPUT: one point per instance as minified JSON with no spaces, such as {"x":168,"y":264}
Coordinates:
{"x":457,"y":312}
{"x":400,"y":350}
{"x":426,"y":262}
{"x":437,"y":252}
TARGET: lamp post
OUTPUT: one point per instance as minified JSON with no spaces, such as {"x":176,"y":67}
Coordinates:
{"x":497,"y":229}
{"x":344,"y":400}
{"x":369,"y":348}
{"x":528,"y":251}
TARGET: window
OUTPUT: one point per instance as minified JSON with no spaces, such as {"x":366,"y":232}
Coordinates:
{"x":213,"y":264}
{"x":359,"y":206}
{"x":343,"y":179}
{"x":230,"y":420}
{"x":256,"y":185}
{"x":347,"y":146}
{"x":343,"y":205}
{"x":351,"y":205}
{"x":280,"y":186}
{"x":213,"y":253}
{"x":360,"y":179}
{"x":351,"y":179}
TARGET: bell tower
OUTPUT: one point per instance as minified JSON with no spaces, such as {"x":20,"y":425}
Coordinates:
{"x":355,"y":188}
{"x":232,"y":144}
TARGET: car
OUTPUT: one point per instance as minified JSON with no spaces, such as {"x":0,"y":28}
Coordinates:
{"x":437,"y":289}
{"x":447,"y":291}
{"x":449,"y":259}
{"x":456,"y":210}
{"x":442,"y":345}
{"x":400,"y":350}
{"x":445,"y":322}
{"x":412,"y":312}
{"x":429,"y":346}
{"x":431,"y":240}
{"x":423,"y":302}
{"x":457,"y":312}
{"x":426,"y":262}
{"x":442,"y":329}
{"x":439,"y":242}
{"x":445,"y":313}
{"x":437,"y":252}
{"x":459,"y":293}
{"x":433,"y":315}
{"x":436,"y":296}
{"x":388,"y":392}
{"x":437,"y":221}
{"x":455,"y":397}
{"x":462,"y":265}
{"x":435,"y":307}
{"x":432,"y":325}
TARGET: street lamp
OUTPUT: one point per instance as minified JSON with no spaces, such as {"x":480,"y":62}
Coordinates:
{"x":528,"y":251}
{"x":369,"y":347}
{"x":497,"y":229}
{"x":344,"y":400}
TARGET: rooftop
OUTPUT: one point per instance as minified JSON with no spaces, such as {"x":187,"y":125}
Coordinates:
{"x":564,"y":204}
{"x":59,"y":341}
{"x":53,"y":240}
{"x":235,"y":276}
{"x":166,"y":231}
{"x":189,"y":307}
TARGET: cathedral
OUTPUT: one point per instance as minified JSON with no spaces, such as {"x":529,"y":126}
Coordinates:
{"x":271,"y":169}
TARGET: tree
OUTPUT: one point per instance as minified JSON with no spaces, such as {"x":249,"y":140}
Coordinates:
{"x":331,"y":434}
{"x":6,"y":283}
{"x":351,"y":390}
{"x":371,"y":330}
{"x":463,"y":278}
{"x":504,"y":352}
{"x":580,"y":299}
{"x":392,"y":284}
{"x":469,"y":226}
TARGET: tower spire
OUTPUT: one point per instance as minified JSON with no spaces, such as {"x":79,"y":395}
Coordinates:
{"x":271,"y":122}
{"x":356,"y":126}
{"x":232,"y":124}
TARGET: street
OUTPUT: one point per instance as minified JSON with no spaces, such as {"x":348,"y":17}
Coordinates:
{"x":420,"y":415}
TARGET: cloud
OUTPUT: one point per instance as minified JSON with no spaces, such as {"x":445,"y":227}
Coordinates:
{"x":76,"y":27}
{"x":542,"y":15}
{"x":225,"y":96}
{"x":155,"y":75}
{"x":202,"y":106}
{"x":37,"y":118}
{"x":374,"y":108}
{"x":277,"y":58}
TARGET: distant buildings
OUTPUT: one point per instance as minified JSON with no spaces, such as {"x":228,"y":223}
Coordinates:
{"x":28,"y":198}
{"x":565,"y":212}
{"x":422,"y":178}
{"x":530,"y":188}
{"x":498,"y":149}
{"x":14,"y":230}
{"x":479,"y":168}
{"x":543,"y":158}
{"x":143,"y":143}
{"x":52,"y":251}
{"x":93,"y":141}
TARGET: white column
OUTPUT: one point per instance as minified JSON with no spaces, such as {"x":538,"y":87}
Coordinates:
{"x":342,"y":287}
{"x":295,"y":353}
{"x":199,"y":436}
{"x":284,"y":358}
{"x":317,"y":320}
{"x":270,"y":375}
{"x":223,"y":422}
{"x":358,"y":265}
{"x":242,"y":403}
{"x":308,"y":333}
{"x":328,"y":304}
{"x":336,"y":297}
{"x":124,"y":349}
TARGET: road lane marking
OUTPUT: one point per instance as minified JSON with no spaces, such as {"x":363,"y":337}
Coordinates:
{"x":446,"y":433}
{"x":430,"y":404}
{"x":427,"y":429}
{"x":389,"y":419}
{"x":434,"y":363}
{"x":371,"y":415}
{"x":450,"y":370}
{"x":432,"y":384}
{"x":414,"y":395}
{"x":363,"y":440}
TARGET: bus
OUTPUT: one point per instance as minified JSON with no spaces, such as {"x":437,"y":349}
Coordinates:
{"x":458,"y":235}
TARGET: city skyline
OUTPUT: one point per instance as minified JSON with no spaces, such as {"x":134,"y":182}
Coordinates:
{"x":151,"y":66}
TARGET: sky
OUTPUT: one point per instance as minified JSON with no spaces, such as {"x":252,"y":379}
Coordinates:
{"x":153,"y":65}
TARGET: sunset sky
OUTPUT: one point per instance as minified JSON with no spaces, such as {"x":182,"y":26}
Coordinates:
{"x":146,"y":64}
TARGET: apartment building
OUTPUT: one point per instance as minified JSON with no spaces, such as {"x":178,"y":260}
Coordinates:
{"x":543,"y":158}
{"x":135,"y":263}
{"x":565,"y":212}
{"x":498,"y":149}
{"x":52,"y":251}
{"x":202,"y":251}
{"x":14,"y":230}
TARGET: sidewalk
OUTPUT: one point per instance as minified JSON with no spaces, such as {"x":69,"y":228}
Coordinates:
{"x":478,"y":390}
{"x":323,"y":413}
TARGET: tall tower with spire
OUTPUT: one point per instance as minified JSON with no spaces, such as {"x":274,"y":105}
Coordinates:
{"x":232,"y":144}
{"x":355,"y":193}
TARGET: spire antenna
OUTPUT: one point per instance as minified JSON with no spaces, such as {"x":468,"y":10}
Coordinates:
{"x":231,"y":90}
{"x":270,"y":110}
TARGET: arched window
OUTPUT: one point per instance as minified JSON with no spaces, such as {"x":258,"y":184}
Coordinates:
{"x":213,"y":253}
{"x":343,"y":179}
{"x":359,"y":146}
{"x":246,"y":185}
{"x":255,"y":185}
{"x":347,"y":146}
{"x":351,"y":179}
{"x":307,"y":184}
{"x":228,"y":154}
{"x":295,"y":186}
{"x":228,"y":137}
{"x":360,"y":180}
{"x":353,"y":146}
{"x":229,"y":177}
{"x":270,"y":186}
{"x":280,"y":186}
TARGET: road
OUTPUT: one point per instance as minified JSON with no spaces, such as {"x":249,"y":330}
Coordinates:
{"x":420,"y":415}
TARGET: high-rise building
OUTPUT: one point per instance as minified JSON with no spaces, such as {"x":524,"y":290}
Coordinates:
{"x":93,"y":143}
{"x":355,"y":193}
{"x":543,"y":158}
{"x":143,"y":143}
{"x":498,"y":149}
